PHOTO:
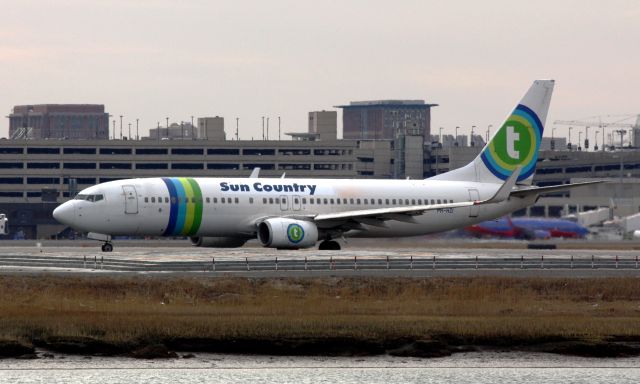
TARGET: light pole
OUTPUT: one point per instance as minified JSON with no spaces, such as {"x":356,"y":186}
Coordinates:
{"x":158,"y":132}
{"x":137,"y":136}
{"x":579,"y":140}
{"x":473,"y":144}
{"x":114,"y":129}
{"x":167,"y":127}
{"x":182,"y":130}
{"x":267,"y":128}
{"x":192,"y":135}
{"x":278,"y":128}
{"x":129,"y":136}
{"x":595,"y":147}
{"x":121,"y":127}
{"x":440,"y":134}
{"x":262,"y":127}
{"x":586,"y":138}
{"x":456,"y":143}
{"x":569,"y":144}
{"x":553,"y":140}
{"x":237,"y":126}
{"x":489,"y":132}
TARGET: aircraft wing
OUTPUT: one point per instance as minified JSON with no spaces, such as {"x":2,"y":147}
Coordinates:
{"x":553,"y":188}
{"x":377,"y":215}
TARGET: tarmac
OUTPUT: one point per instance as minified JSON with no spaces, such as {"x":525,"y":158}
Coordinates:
{"x":179,"y":258}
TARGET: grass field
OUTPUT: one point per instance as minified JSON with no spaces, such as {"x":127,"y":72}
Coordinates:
{"x":149,"y":309}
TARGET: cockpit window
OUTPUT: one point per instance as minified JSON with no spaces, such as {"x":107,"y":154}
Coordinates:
{"x":91,"y":198}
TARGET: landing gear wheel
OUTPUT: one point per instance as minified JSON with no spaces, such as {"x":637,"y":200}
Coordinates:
{"x":107,"y":247}
{"x":329,"y":245}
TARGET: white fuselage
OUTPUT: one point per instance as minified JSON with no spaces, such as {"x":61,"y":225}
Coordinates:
{"x":231,"y":207}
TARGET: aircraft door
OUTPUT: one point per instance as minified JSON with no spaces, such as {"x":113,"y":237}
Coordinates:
{"x":474,"y":210}
{"x":130,"y":199}
{"x":284,"y":203}
{"x":295,"y":202}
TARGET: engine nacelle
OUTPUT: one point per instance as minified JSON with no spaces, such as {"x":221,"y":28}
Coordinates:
{"x":287,"y":233}
{"x":217,"y":242}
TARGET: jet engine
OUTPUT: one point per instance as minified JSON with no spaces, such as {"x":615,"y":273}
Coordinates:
{"x":287,"y":233}
{"x":217,"y":242}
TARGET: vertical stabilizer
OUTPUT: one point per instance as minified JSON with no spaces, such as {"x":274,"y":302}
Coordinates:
{"x":514,"y":145}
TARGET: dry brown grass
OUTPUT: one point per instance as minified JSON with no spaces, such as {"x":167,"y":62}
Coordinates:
{"x":121,"y":309}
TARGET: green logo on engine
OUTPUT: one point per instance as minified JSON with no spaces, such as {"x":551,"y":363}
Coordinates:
{"x":295,"y":233}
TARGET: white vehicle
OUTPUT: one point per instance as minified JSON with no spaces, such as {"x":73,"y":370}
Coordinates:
{"x":298,"y":213}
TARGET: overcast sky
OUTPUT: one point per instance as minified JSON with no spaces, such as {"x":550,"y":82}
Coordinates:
{"x":150,"y":59}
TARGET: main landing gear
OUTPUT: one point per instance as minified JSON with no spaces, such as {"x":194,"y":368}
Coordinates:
{"x":329,"y":245}
{"x":107,"y":247}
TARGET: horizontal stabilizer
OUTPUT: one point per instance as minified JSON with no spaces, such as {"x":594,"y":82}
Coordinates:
{"x":553,"y":188}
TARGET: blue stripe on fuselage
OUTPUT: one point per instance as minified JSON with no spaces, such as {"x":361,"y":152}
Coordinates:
{"x":173,"y":203}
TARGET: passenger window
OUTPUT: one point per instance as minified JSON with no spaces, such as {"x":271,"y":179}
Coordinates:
{"x":439,"y":201}
{"x":193,"y":200}
{"x":358,"y":201}
{"x":451,"y":201}
{"x":208,"y":200}
{"x":326,"y":201}
{"x":277,"y":200}
{"x":432,"y":202}
{"x":237,"y":200}
{"x":406,"y":201}
{"x":153,"y":199}
{"x":338,"y":201}
{"x":271,"y":200}
{"x":351,"y":201}
{"x":344,"y":201}
{"x":304,"y":200}
{"x":419,"y":201}
{"x":264,"y":200}
{"x":296,"y":200}
{"x":166,"y":199}
{"x":223,"y":200}
{"x":331,"y":201}
{"x":146,"y":199}
{"x":379,"y":201}
{"x":393,"y":201}
{"x":251,"y":200}
{"x":386,"y":201}
{"x":215,"y":200}
{"x":413,"y":201}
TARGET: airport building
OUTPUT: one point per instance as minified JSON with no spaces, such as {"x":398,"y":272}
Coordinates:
{"x":385,"y":119}
{"x":59,"y":121}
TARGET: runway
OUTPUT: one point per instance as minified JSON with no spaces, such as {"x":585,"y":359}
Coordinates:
{"x":261,"y":262}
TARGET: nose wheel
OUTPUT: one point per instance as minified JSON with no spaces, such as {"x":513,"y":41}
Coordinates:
{"x":107,"y":247}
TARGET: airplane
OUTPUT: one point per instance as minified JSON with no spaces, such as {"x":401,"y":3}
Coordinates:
{"x":528,"y":228}
{"x":300,"y":213}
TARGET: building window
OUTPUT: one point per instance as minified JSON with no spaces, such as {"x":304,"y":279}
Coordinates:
{"x":258,"y":152}
{"x":151,"y":166}
{"x":11,"y":165}
{"x":78,"y":151}
{"x":151,"y":151}
{"x":223,"y":151}
{"x":43,"y":180}
{"x":115,"y":165}
{"x":187,"y":151}
{"x":10,"y":180}
{"x":11,"y":151}
{"x":43,"y":151}
{"x":187,"y":166}
{"x":115,"y":151}
{"x":80,"y":165}
{"x":41,"y":165}
{"x":223,"y":166}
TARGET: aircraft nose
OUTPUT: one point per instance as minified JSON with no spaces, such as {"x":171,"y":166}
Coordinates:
{"x":65,"y":213}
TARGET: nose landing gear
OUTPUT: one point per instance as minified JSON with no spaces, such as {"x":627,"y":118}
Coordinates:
{"x":107,"y":247}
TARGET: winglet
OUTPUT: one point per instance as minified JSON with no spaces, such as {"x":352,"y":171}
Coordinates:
{"x":505,"y":190}
{"x":254,"y":174}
